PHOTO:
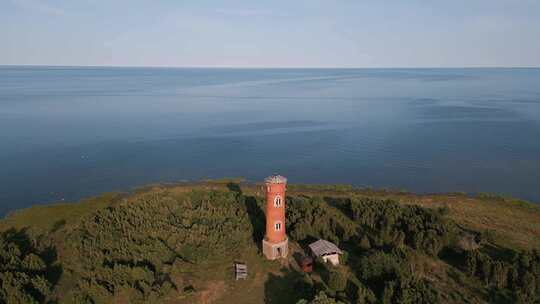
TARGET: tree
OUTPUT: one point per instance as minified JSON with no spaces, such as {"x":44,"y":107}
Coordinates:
{"x":33,"y":262}
{"x":22,"y":270}
{"x":499,"y":274}
{"x":337,"y":279}
{"x":471,"y":262}
{"x":364,"y":243}
{"x":364,"y":295}
{"x":321,"y":298}
{"x":486,"y":270}
{"x":527,"y":293}
{"x":388,"y":292}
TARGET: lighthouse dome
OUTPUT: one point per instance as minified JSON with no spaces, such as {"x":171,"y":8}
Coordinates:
{"x":275,"y":179}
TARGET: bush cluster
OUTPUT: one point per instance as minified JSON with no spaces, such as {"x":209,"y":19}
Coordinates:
{"x":147,"y":247}
{"x":27,"y":273}
{"x":517,"y":280}
{"x":142,"y":246}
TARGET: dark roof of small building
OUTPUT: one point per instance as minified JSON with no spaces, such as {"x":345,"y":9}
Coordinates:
{"x":275,"y":179}
{"x":306,"y":259}
{"x":324,"y":247}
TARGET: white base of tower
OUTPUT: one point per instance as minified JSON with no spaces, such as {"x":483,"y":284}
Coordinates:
{"x":274,"y":251}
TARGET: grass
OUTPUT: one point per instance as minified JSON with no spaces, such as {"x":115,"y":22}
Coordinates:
{"x":214,"y":282}
{"x":513,"y":223}
{"x":46,"y":218}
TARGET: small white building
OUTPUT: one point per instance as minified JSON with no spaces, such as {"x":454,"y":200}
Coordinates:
{"x":328,"y":251}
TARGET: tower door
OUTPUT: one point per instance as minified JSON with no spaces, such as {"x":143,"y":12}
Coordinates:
{"x":279,"y":252}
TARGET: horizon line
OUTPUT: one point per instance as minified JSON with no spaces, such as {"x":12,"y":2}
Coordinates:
{"x":267,"y":67}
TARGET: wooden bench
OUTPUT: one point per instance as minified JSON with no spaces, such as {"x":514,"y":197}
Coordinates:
{"x":240,"y":271}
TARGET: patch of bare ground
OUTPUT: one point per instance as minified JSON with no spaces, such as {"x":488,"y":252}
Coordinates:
{"x":246,"y":291}
{"x":212,"y":291}
{"x":122,"y":298}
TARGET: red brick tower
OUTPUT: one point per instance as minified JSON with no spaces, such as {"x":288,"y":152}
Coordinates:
{"x":275,"y":243}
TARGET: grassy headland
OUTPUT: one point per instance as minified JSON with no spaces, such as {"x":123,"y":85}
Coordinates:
{"x":177,"y":243}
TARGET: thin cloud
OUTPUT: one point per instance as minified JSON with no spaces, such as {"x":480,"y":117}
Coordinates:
{"x":38,"y":6}
{"x":240,"y":12}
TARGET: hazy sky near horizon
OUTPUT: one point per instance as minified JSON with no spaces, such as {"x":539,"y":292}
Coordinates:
{"x":303,"y":33}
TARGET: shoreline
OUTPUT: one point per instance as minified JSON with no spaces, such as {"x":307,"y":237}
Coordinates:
{"x":484,"y":212}
{"x":366,"y":190}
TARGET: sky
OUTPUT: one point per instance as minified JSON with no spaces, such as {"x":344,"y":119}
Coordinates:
{"x":276,"y":33}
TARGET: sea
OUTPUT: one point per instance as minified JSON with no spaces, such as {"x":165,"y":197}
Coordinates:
{"x":72,"y":132}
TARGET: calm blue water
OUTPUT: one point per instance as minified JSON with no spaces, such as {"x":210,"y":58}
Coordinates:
{"x":67,"y":133}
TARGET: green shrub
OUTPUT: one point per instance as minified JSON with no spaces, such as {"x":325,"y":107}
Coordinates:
{"x":135,"y":244}
{"x":23,"y":272}
{"x":337,"y":279}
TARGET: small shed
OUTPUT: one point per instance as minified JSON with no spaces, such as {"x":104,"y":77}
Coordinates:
{"x":240,"y":271}
{"x":306,"y":263}
{"x":328,"y":251}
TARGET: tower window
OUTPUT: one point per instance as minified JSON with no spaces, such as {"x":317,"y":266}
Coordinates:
{"x":277,"y":226}
{"x":277,"y":201}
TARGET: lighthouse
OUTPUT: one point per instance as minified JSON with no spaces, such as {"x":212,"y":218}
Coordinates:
{"x":275,"y":243}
